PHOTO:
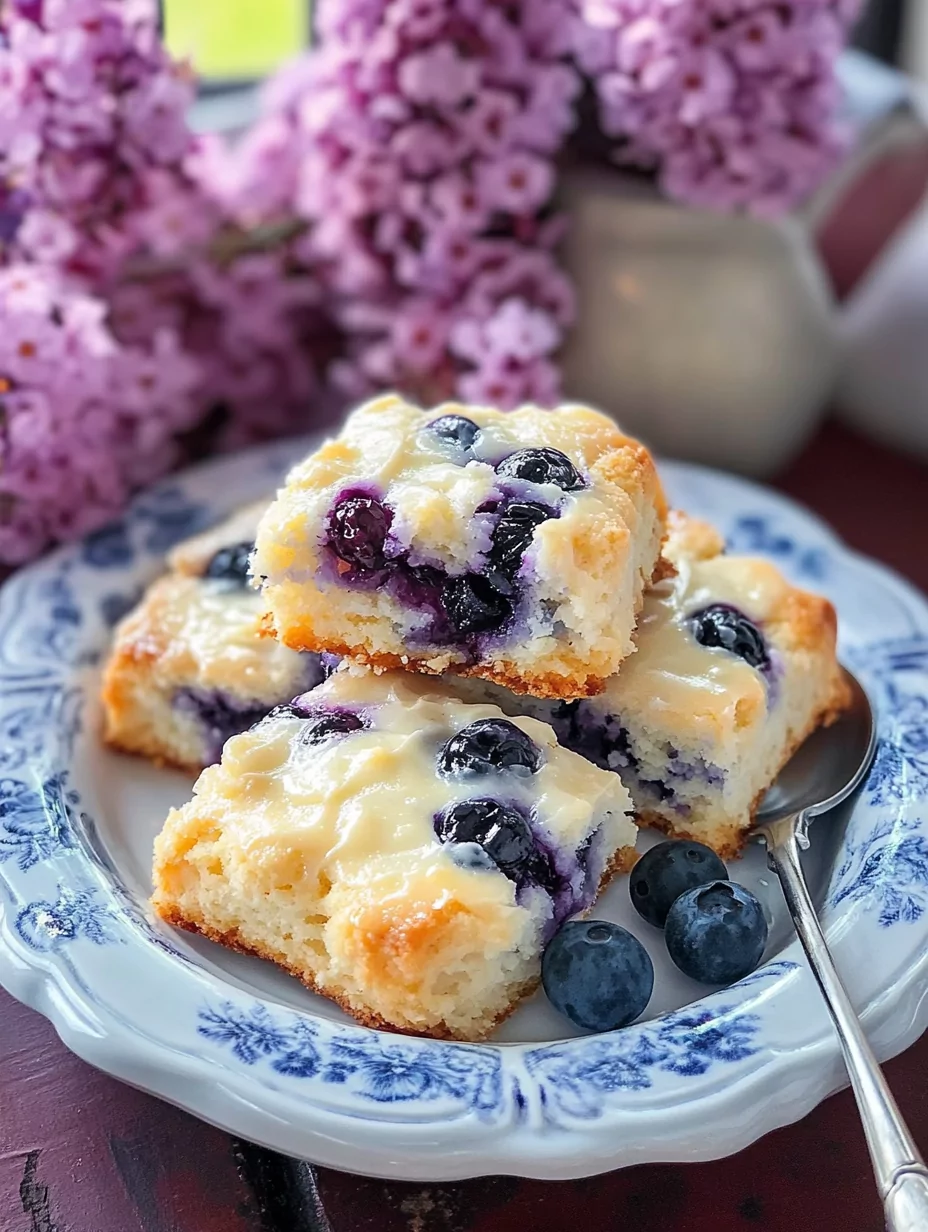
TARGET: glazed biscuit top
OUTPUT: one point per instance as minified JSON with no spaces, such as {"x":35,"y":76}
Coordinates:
{"x":193,"y":555}
{"x":706,"y":688}
{"x":210,"y":632}
{"x":345,"y":786}
{"x":442,"y":499}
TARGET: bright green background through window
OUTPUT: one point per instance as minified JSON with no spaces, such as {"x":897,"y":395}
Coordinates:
{"x":236,"y":38}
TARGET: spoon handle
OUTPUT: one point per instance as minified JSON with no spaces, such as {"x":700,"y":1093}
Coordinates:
{"x":900,"y":1171}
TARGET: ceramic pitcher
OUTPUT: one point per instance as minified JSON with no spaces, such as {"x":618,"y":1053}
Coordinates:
{"x":712,"y":337}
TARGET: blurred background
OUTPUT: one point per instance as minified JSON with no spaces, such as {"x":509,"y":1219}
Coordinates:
{"x":844,"y":309}
{"x":233,"y":41}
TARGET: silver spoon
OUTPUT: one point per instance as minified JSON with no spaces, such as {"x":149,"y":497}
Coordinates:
{"x":825,"y":770}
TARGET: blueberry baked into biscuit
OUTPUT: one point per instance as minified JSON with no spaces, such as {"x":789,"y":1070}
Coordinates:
{"x":734,"y":668}
{"x":514,"y":546}
{"x":191,"y":665}
{"x":400,"y":851}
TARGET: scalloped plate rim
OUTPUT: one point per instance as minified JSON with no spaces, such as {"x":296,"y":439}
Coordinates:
{"x":233,"y":1100}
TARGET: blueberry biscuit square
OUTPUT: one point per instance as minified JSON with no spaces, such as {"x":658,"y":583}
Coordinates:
{"x":734,"y":668}
{"x":400,"y":851}
{"x":191,"y":664}
{"x":514,"y":546}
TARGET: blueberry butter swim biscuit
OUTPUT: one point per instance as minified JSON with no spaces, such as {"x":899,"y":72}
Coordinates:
{"x":514,"y":546}
{"x":734,"y":668}
{"x":400,"y":851}
{"x":191,"y":664}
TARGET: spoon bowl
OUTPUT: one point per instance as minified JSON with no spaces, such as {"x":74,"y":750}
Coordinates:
{"x":827,"y":767}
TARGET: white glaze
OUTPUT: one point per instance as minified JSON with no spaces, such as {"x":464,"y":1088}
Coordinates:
{"x":363,"y":805}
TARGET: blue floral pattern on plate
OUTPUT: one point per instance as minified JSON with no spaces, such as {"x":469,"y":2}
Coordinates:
{"x":887,"y":872}
{"x":45,"y":925}
{"x":758,"y":536}
{"x":385,"y":1070}
{"x":34,"y":822}
{"x":282,"y":1074}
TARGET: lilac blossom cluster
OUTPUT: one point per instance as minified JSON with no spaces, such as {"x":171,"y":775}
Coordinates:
{"x":732,"y":102}
{"x":139,"y":316}
{"x":85,"y":420}
{"x":387,"y":222}
{"x":89,"y":102}
{"x":418,"y":143}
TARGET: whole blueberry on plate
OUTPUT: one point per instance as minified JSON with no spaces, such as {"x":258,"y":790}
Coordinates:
{"x":726,"y":627}
{"x":716,"y":933}
{"x":358,"y":527}
{"x":489,"y":745}
{"x":542,"y":466}
{"x":597,"y":974}
{"x":231,"y":564}
{"x":502,"y":832}
{"x":666,"y":871}
{"x":456,"y":432}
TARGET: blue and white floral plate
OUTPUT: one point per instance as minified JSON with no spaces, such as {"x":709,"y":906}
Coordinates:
{"x":243,"y":1045}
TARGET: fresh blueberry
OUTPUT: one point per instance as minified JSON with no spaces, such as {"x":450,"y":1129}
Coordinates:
{"x":597,"y":974}
{"x":503,"y":833}
{"x":513,"y":533}
{"x":600,"y":738}
{"x":488,"y":745}
{"x":472,"y":856}
{"x":231,"y":563}
{"x":720,"y":625}
{"x":716,"y":933}
{"x":476,"y":602}
{"x":666,"y":871}
{"x":220,"y":714}
{"x":542,"y":466}
{"x":455,"y":431}
{"x":330,"y":723}
{"x":358,"y":527}
{"x":418,"y":586}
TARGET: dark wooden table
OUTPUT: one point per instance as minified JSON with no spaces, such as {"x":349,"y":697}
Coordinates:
{"x":80,"y":1152}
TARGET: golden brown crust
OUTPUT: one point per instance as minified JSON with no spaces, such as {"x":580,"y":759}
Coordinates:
{"x":122,"y":677}
{"x":726,"y":840}
{"x":123,"y":732}
{"x":139,"y":643}
{"x":627,"y":465}
{"x":805,"y":621}
{"x":729,"y":837}
{"x":233,"y":940}
{"x":543,"y":684}
{"x":152,"y":656}
{"x":691,"y":538}
{"x":662,"y":570}
{"x":136,"y":745}
{"x":622,"y":862}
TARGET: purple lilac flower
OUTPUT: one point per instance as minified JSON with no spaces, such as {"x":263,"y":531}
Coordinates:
{"x":85,"y":420}
{"x":90,"y":102}
{"x":405,"y":169}
{"x":120,"y":326}
{"x":417,"y":142}
{"x":732,"y":102}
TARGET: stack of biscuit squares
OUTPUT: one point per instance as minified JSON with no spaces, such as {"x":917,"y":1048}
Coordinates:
{"x":532,"y":656}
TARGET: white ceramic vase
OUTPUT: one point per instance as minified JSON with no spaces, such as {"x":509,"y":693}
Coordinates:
{"x":712,"y":337}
